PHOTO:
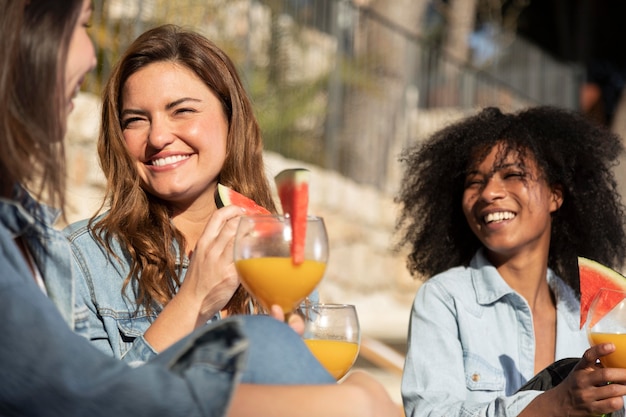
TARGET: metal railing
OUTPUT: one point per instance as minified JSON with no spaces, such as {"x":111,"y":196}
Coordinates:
{"x":326,"y":90}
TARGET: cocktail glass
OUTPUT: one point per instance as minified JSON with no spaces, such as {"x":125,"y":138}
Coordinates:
{"x":263,"y":260}
{"x":606,"y":323}
{"x":333,"y":334}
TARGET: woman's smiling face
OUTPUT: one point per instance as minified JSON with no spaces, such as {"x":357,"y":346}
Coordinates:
{"x":176,"y":130}
{"x":508,"y":204}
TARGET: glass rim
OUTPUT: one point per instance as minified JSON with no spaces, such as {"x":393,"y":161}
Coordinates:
{"x":327,"y":305}
{"x":605,"y":290}
{"x":279,"y":217}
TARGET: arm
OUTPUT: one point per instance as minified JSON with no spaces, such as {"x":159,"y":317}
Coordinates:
{"x":209,"y":283}
{"x":110,"y":322}
{"x":358,"y":396}
{"x":585,"y":390}
{"x":45,"y":361}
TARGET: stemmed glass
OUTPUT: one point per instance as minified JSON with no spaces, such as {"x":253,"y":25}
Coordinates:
{"x":333,"y":334}
{"x":606,"y":323}
{"x":264,"y":263}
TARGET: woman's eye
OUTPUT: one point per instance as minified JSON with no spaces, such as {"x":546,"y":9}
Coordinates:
{"x":473,"y":182}
{"x":514,"y":175}
{"x":128,"y":122}
{"x":184,"y":110}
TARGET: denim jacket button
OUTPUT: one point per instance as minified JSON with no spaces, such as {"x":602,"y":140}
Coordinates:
{"x":475,"y":377}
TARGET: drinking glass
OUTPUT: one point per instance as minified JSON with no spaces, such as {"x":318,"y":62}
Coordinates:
{"x":263,"y":259}
{"x":606,"y":323}
{"x":333,"y":334}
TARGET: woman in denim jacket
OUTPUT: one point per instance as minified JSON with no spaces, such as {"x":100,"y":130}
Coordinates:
{"x":163,"y":151}
{"x":497,"y":207}
{"x":48,"y":370}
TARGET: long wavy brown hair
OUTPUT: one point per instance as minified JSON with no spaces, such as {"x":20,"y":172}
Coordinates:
{"x":140,"y":221}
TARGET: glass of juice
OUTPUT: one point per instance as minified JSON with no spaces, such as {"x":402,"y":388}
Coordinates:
{"x":262,"y":254}
{"x":606,"y":323}
{"x":333,"y":334}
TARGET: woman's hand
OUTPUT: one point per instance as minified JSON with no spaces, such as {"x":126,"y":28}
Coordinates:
{"x":212,"y":278}
{"x":588,"y":390}
{"x":295,"y":321}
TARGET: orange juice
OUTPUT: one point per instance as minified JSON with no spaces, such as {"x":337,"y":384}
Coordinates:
{"x":276,"y":280}
{"x":335,"y":355}
{"x":616,"y":359}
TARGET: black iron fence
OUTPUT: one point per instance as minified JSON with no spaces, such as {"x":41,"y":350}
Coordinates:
{"x":340,"y":85}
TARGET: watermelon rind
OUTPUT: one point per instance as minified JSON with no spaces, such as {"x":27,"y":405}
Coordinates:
{"x":292,"y":186}
{"x":292,"y":177}
{"x":225,"y":196}
{"x":594,"y":276}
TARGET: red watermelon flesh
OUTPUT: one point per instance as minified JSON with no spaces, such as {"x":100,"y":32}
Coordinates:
{"x":293,"y":191}
{"x":593,"y":276}
{"x":225,"y":196}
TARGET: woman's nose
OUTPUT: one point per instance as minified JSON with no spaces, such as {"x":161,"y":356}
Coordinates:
{"x":493,"y":189}
{"x":160,"y":134}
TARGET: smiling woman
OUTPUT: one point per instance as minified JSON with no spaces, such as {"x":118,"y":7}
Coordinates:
{"x":176,"y":121}
{"x":177,"y":137}
{"x":508,"y":204}
{"x":497,"y":207}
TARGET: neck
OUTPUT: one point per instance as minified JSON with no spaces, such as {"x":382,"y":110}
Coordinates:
{"x":191,"y":223}
{"x":527,"y":276}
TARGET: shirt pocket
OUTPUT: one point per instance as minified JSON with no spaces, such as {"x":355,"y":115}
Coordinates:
{"x":131,"y":328}
{"x":481,"y":376}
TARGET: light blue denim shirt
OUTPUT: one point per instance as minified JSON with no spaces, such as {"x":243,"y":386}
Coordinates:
{"x":472,"y":344}
{"x":49,"y":370}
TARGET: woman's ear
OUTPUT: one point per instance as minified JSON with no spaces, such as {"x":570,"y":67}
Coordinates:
{"x":557,"y":198}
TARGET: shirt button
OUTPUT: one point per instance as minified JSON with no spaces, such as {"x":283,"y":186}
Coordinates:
{"x":475,"y":377}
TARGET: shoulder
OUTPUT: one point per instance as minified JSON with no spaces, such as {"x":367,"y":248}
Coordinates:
{"x":89,"y":251}
{"x":456,"y":277}
{"x":77,"y":229}
{"x":454,"y":283}
{"x":82,"y":237}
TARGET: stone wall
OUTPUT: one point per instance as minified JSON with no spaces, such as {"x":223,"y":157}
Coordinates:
{"x":362,"y":270}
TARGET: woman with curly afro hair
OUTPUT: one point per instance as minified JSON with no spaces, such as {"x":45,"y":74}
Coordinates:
{"x":495,"y":210}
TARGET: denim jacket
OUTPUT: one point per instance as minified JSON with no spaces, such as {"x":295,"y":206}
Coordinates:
{"x":49,"y":370}
{"x":114,"y":322}
{"x":471,"y":343}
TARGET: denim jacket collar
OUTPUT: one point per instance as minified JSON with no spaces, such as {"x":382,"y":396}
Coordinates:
{"x":22,"y":215}
{"x":26,"y":218}
{"x":490,"y":287}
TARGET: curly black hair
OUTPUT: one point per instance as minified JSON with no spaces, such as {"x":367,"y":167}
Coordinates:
{"x":570,"y":152}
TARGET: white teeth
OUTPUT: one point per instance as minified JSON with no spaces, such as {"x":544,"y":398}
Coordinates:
{"x":168,"y":160}
{"x":498,"y":217}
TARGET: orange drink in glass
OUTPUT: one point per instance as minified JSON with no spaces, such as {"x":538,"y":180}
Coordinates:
{"x":332,"y":333}
{"x":263,"y":260}
{"x":606,"y":323}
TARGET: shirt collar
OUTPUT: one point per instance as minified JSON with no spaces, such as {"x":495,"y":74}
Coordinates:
{"x":490,"y":287}
{"x":486,"y":280}
{"x":22,"y":214}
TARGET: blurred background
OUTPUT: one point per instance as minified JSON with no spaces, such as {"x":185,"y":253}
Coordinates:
{"x":342,"y":86}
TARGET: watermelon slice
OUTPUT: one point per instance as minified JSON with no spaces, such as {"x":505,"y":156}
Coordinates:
{"x":593,"y":276}
{"x":293,"y":191}
{"x":225,"y":196}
